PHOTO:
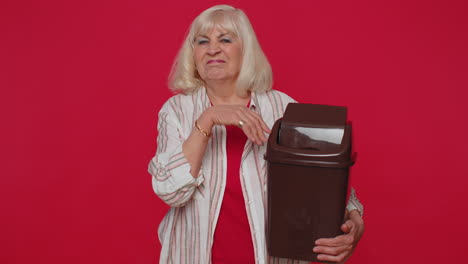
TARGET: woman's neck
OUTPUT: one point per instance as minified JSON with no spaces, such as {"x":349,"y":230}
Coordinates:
{"x":225,"y":94}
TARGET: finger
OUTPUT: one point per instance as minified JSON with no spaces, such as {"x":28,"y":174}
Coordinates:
{"x":256,"y":124}
{"x":348,"y":226}
{"x":263,"y":124}
{"x":333,"y":251}
{"x":239,"y":116}
{"x":262,"y":128}
{"x":250,"y":132}
{"x":333,"y":242}
{"x":251,"y":126}
{"x":340,"y":258}
{"x":343,"y":240}
{"x":249,"y":135}
{"x":345,"y":228}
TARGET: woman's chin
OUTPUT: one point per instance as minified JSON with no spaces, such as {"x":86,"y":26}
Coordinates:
{"x":220,"y":77}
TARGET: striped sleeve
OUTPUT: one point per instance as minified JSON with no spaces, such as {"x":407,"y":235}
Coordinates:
{"x":354,"y":203}
{"x":172,"y":180}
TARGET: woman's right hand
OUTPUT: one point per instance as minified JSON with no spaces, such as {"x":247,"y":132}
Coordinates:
{"x":252,"y":123}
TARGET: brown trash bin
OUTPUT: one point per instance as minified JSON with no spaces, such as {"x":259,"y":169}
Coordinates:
{"x":308,"y":158}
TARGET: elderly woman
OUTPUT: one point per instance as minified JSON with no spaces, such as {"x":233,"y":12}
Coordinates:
{"x":209,"y":164}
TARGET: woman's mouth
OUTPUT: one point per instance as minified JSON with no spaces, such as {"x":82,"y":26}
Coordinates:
{"x":215,"y":61}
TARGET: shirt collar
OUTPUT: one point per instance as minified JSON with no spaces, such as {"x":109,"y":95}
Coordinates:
{"x":253,"y":100}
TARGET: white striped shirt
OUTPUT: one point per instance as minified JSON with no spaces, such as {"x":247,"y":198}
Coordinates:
{"x":186,"y":232}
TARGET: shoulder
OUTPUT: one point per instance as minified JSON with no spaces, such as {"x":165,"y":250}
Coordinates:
{"x":183,"y":109}
{"x":273,"y":104}
{"x":275,"y":99}
{"x":275,"y":94}
{"x":178,"y":103}
{"x":284,"y":97}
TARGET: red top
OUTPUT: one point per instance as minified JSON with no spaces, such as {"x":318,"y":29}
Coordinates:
{"x":232,"y":239}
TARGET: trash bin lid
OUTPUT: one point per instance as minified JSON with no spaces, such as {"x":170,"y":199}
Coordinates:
{"x":311,"y":135}
{"x":315,"y":115}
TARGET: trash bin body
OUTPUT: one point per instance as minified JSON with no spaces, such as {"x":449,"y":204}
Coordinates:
{"x":308,"y":176}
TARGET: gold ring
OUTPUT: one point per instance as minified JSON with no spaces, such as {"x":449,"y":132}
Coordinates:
{"x":241,"y":123}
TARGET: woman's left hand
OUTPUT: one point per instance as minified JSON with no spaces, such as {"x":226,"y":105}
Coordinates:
{"x":340,"y":248}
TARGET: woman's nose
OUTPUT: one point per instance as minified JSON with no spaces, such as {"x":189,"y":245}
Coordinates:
{"x":213,"y":48}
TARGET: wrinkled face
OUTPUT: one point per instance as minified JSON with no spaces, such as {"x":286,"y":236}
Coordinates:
{"x":218,"y":55}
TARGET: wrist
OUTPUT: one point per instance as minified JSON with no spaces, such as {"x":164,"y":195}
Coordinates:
{"x":355,"y":215}
{"x":204,"y":122}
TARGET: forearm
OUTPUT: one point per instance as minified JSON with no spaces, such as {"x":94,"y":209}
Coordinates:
{"x":355,"y":215}
{"x":195,"y":145}
{"x":354,"y":203}
{"x":172,"y":178}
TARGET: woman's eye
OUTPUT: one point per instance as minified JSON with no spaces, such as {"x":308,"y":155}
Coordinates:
{"x":202,"y":41}
{"x":226,"y":40}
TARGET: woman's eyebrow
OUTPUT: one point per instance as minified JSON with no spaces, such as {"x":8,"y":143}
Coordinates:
{"x":222,"y":35}
{"x":219,"y":36}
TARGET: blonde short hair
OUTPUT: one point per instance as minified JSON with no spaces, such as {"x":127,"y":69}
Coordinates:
{"x":255,"y":73}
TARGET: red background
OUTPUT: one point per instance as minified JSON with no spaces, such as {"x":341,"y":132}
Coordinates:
{"x":82,"y":83}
